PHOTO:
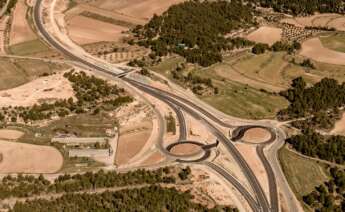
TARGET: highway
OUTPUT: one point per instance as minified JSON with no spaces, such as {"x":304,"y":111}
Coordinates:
{"x":164,"y":96}
{"x":178,"y":103}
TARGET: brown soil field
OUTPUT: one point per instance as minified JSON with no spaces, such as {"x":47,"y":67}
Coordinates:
{"x":338,"y":23}
{"x":136,"y":8}
{"x":20,"y":29}
{"x":28,"y":158}
{"x":185,"y":149}
{"x":256,"y":135}
{"x":131,"y":140}
{"x":153,"y":159}
{"x":339,"y":127}
{"x":266,"y":34}
{"x":314,"y":49}
{"x":82,"y":30}
{"x":9,"y":134}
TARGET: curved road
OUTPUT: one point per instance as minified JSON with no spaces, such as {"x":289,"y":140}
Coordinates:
{"x":177,"y":103}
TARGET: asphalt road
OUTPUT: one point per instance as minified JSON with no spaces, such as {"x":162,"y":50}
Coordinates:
{"x":262,"y":200}
{"x":176,"y":100}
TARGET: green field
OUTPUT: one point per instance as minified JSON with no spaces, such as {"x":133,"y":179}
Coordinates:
{"x":82,"y":125}
{"x":247,"y":82}
{"x":234,"y":98}
{"x":28,"y":48}
{"x":15,"y":72}
{"x":302,"y":174}
{"x":335,"y":42}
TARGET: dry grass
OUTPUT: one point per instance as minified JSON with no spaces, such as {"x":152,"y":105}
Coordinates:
{"x":16,"y":72}
{"x":335,"y":42}
{"x":82,"y":30}
{"x":143,"y":9}
{"x":323,"y":20}
{"x":302,"y":174}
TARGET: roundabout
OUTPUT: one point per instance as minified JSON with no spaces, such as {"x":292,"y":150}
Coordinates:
{"x":253,"y":134}
{"x":190,"y":151}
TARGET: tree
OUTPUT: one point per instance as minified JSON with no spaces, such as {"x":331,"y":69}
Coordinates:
{"x":260,"y":48}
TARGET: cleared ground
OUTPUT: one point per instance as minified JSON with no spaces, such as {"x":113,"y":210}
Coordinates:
{"x":265,"y":34}
{"x":339,"y":127}
{"x":314,"y":49}
{"x":131,"y":140}
{"x":16,"y":72}
{"x":45,"y":88}
{"x":9,"y":134}
{"x":27,"y":158}
{"x":302,"y":174}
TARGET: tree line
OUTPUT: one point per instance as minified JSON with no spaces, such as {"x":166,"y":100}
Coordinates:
{"x":313,"y":144}
{"x":27,"y":186}
{"x":196,"y":30}
{"x":328,"y":196}
{"x":260,"y":48}
{"x":320,"y":102}
{"x":302,"y":7}
{"x":152,"y":198}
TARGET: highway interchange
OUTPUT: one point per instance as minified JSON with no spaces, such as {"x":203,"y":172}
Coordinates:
{"x":258,"y":202}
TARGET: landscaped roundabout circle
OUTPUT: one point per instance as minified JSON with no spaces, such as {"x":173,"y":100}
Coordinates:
{"x":253,"y":134}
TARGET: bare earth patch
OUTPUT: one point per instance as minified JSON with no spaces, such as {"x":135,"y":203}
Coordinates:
{"x":20,"y":30}
{"x":314,"y":49}
{"x":9,"y":134}
{"x":254,"y":162}
{"x":28,"y":158}
{"x":45,"y":88}
{"x":153,"y":159}
{"x":339,"y":128}
{"x":84,"y":30}
{"x":185,"y":149}
{"x":132,"y":139}
{"x":265,"y":34}
{"x":256,"y":135}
